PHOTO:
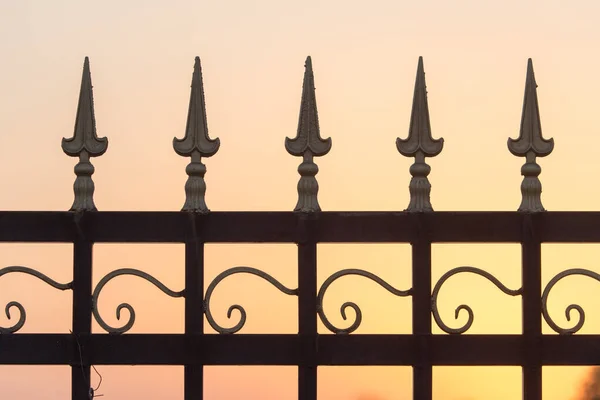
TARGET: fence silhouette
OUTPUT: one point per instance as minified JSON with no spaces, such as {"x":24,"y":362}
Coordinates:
{"x":306,"y":226}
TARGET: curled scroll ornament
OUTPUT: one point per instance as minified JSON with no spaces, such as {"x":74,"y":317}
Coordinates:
{"x":125,"y":271}
{"x":349,"y":304}
{"x":467,"y":325}
{"x":239,"y":308}
{"x":570,"y":307}
{"x":22,"y":315}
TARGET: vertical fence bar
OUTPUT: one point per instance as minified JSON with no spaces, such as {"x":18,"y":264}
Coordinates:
{"x":307,"y":310}
{"x":82,"y":312}
{"x":532,"y":311}
{"x":421,"y":313}
{"x":193,"y":374}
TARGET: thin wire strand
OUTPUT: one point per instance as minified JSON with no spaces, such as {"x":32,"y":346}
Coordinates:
{"x":99,"y":383}
{"x":92,"y":391}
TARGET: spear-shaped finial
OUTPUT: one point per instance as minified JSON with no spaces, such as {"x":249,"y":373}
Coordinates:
{"x":420,"y":144}
{"x":85,"y":144}
{"x":197,"y":144}
{"x":531,"y":144}
{"x":308,"y":144}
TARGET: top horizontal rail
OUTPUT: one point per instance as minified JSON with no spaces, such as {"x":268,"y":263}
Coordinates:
{"x":293,"y":227}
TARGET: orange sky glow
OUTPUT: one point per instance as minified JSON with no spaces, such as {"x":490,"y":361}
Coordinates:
{"x":364,"y":57}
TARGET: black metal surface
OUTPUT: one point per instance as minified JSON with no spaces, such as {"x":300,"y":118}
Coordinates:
{"x":287,"y":349}
{"x":193,"y":370}
{"x":421,"y":310}
{"x":307,"y":310}
{"x":285,"y":227}
{"x":532,"y":311}
{"x":307,"y":350}
{"x":82,"y":316}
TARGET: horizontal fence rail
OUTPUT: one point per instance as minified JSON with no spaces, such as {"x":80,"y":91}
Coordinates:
{"x":287,"y":349}
{"x":307,"y":226}
{"x":287,"y":227}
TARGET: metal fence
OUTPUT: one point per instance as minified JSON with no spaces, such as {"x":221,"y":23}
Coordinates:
{"x":306,"y":226}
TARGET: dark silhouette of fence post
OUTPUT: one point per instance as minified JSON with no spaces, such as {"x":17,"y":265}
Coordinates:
{"x":82,"y":313}
{"x":194,"y":306}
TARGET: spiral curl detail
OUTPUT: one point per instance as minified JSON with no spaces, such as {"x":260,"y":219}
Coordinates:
{"x":22,"y":314}
{"x":350,"y":304}
{"x":570,"y":307}
{"x":471,"y":316}
{"x":239,"y":308}
{"x":125,"y":271}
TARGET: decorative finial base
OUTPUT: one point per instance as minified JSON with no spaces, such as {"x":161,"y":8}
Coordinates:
{"x":308,"y":187}
{"x":419,"y":188}
{"x":195,"y":187}
{"x":84,"y":185}
{"x":531,"y":187}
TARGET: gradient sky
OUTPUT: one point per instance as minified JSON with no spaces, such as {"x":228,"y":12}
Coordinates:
{"x":364,"y":56}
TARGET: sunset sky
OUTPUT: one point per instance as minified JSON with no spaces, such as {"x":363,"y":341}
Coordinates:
{"x":364,"y":57}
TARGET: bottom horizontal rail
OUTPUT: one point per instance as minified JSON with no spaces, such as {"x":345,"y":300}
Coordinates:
{"x":286,"y":349}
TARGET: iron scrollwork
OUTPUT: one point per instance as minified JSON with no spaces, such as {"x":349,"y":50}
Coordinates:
{"x":467,"y":325}
{"x":127,"y":306}
{"x":349,"y":304}
{"x":22,"y":314}
{"x":570,"y":307}
{"x":239,"y":308}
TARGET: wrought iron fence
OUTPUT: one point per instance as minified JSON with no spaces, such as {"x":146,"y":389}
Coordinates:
{"x":307,"y":226}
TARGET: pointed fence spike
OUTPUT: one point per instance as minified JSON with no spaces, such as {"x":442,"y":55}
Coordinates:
{"x":196,"y":144}
{"x":420,"y":144}
{"x":84,"y":144}
{"x":530,"y":144}
{"x":308,"y":144}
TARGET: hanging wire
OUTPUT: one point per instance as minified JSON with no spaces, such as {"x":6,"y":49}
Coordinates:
{"x":92,"y":392}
